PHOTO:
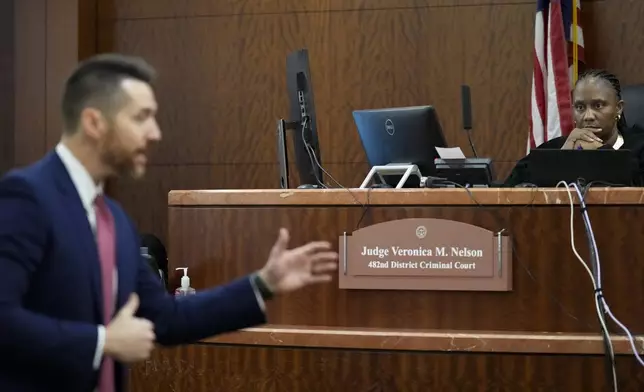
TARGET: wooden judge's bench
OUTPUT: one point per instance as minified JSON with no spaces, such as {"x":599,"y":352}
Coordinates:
{"x":543,"y":335}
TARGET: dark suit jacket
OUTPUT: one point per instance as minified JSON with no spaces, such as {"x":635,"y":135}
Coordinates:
{"x":50,"y":287}
{"x":633,"y":141}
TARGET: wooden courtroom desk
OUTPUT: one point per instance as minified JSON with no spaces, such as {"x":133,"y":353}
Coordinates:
{"x":541,"y":336}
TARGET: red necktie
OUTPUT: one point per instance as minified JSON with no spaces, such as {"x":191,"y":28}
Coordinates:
{"x":105,"y":239}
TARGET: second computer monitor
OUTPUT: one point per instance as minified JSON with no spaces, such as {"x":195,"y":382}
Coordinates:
{"x":404,"y":135}
{"x":303,"y":118}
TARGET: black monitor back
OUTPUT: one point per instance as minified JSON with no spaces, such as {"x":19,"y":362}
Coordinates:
{"x":298,"y":79}
{"x":606,"y":167}
{"x":401,"y":135}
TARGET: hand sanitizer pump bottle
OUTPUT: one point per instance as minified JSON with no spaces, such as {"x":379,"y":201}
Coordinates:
{"x":185,"y":288}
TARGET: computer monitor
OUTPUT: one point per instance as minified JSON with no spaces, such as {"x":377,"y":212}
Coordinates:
{"x":403,"y":135}
{"x":605,"y":167}
{"x":302,"y":120}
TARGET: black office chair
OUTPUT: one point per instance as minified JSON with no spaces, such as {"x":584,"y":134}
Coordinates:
{"x":157,"y":250}
{"x":633,"y":97}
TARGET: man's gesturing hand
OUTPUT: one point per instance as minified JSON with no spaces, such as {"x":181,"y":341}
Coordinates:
{"x":128,"y":338}
{"x":291,"y":269}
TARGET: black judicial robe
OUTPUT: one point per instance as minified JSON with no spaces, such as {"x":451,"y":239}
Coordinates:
{"x":633,"y":141}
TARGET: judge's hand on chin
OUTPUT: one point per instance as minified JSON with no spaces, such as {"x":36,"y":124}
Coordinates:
{"x":584,"y":138}
{"x":584,"y":145}
{"x":291,"y":269}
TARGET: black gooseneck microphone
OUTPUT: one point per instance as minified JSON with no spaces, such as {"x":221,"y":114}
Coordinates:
{"x":466,"y":105}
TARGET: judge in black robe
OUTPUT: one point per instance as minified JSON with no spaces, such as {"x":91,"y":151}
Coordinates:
{"x":599,"y":124}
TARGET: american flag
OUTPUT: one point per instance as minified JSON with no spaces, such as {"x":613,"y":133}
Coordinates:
{"x":558,"y":52}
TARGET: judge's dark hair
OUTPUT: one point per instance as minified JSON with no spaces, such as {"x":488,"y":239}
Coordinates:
{"x":97,"y":81}
{"x":613,"y":82}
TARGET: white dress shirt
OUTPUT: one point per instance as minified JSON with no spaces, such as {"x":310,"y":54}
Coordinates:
{"x":88,"y":191}
{"x":619,"y":142}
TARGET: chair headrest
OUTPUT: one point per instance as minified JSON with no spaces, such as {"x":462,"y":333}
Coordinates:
{"x":633,"y":97}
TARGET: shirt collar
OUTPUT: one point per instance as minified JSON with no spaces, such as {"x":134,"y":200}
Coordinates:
{"x":83,"y":182}
{"x":619,"y":142}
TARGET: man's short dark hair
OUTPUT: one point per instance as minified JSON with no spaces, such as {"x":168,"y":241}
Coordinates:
{"x":97,"y":81}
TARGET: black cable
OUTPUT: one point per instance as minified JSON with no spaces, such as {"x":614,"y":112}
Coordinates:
{"x":311,"y":153}
{"x":436,"y":182}
{"x":594,"y":264}
{"x":610,"y":359}
{"x":364,"y":210}
{"x":316,"y":163}
{"x":499,"y":221}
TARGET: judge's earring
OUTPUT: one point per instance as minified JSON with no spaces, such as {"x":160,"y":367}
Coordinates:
{"x":618,"y":117}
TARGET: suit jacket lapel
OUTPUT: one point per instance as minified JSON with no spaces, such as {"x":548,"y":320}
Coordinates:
{"x":81,"y":228}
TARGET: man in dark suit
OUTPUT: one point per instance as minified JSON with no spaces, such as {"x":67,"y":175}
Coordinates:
{"x":77,"y":301}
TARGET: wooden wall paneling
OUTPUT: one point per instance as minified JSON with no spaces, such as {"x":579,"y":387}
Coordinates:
{"x":221,"y":105}
{"x":30,"y":136}
{"x":62,"y":31}
{"x":149,"y":9}
{"x":220,"y":95}
{"x":614,"y":39}
{"x":147,"y":199}
{"x":7,"y":84}
{"x":46,"y":49}
{"x":201,"y":368}
{"x":547,"y":295}
{"x":222,"y":80}
{"x":548,"y":281}
{"x":88,"y":28}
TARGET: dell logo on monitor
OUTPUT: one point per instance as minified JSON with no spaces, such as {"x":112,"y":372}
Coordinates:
{"x":389,"y":127}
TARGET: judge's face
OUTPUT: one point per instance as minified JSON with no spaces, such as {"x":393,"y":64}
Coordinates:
{"x":596,"y":105}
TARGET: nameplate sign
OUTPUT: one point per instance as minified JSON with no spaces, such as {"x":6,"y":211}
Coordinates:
{"x":425,"y":254}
